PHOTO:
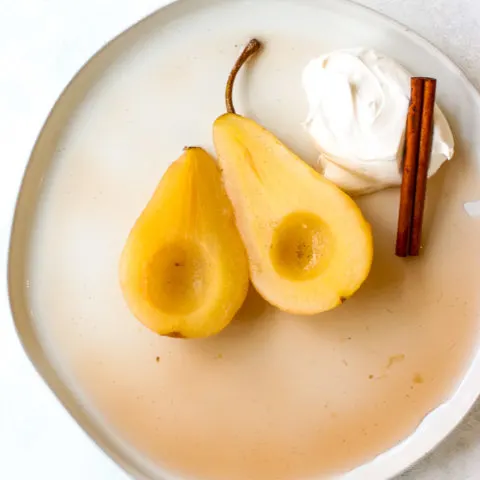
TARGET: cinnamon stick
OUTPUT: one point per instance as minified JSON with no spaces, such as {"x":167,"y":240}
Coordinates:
{"x":425,"y":150}
{"x":410,"y":165}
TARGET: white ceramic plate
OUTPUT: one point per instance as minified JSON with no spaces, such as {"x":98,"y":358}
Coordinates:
{"x":123,"y":118}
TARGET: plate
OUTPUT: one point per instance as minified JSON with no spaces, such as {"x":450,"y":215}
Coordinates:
{"x":361,"y":392}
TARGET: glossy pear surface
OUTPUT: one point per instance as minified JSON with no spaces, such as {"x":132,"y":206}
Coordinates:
{"x":308,"y":244}
{"x":184,"y":270}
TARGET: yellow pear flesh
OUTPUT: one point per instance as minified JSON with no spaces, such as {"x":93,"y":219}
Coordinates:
{"x":308,"y":244}
{"x":184,"y":270}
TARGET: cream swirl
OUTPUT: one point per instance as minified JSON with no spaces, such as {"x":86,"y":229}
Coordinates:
{"x":358,"y":103}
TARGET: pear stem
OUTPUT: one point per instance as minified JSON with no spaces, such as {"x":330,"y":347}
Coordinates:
{"x":252,"y":47}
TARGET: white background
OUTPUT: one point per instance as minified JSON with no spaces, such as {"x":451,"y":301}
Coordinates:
{"x":42,"y":44}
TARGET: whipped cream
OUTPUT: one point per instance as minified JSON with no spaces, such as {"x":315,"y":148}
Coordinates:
{"x":358,"y":104}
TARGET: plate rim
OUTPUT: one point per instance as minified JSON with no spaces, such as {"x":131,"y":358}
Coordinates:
{"x":66,"y":398}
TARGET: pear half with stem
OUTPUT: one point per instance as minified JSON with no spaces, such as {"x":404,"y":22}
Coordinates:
{"x":308,"y":244}
{"x":184,"y":270}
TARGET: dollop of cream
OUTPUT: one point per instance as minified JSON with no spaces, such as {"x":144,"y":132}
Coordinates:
{"x":358,"y":103}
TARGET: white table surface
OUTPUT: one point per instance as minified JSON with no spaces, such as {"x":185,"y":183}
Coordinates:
{"x":42,"y":42}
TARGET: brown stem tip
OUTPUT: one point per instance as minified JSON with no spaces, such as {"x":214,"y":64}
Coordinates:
{"x":252,"y":47}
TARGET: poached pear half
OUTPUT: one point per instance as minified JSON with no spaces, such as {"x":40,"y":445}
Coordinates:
{"x":308,"y":245}
{"x":184,"y":270}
